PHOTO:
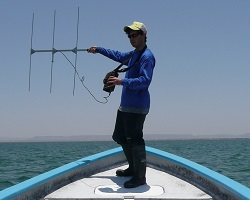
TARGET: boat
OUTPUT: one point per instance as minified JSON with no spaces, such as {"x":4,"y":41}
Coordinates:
{"x":93,"y":177}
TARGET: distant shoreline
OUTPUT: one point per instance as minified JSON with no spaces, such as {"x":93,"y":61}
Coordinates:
{"x":150,"y":137}
{"x":31,"y":141}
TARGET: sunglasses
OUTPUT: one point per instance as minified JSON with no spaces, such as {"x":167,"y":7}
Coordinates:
{"x":133,"y":35}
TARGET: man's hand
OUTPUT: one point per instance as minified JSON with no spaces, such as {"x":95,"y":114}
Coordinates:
{"x":114,"y":81}
{"x":92,"y":50}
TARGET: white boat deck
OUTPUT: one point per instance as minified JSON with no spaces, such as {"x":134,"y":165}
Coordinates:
{"x":106,"y":185}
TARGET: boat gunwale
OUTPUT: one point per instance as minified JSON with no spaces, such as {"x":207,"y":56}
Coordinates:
{"x":220,"y":180}
{"x":19,"y":189}
{"x":217,"y":179}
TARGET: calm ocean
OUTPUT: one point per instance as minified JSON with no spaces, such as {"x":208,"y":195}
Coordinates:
{"x":21,"y":161}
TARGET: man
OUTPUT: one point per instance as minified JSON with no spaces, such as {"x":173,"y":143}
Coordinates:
{"x":135,"y":101}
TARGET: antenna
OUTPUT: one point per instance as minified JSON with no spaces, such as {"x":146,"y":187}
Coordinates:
{"x":77,"y":28}
{"x":31,"y":48}
{"x":53,"y":51}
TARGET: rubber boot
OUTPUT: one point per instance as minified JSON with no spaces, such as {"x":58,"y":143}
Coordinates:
{"x":127,"y":149}
{"x":139,"y":178}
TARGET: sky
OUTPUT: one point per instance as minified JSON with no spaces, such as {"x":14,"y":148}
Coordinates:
{"x":201,"y":83}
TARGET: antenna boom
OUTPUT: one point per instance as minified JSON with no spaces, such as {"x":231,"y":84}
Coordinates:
{"x":32,"y":51}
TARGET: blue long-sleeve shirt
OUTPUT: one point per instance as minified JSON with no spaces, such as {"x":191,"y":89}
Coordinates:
{"x":135,"y":96}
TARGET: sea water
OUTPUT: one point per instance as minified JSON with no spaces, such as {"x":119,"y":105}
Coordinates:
{"x":21,"y":161}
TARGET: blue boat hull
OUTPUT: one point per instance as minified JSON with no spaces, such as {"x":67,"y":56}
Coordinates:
{"x":216,"y":185}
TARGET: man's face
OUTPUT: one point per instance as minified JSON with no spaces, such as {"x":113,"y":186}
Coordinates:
{"x":136,"y":39}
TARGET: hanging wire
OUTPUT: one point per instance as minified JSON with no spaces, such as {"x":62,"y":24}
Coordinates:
{"x":82,"y":80}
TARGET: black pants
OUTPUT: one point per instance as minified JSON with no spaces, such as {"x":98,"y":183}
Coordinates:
{"x":129,"y":128}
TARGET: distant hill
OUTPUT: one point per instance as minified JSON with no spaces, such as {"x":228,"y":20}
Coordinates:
{"x":109,"y":137}
{"x":190,"y":136}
